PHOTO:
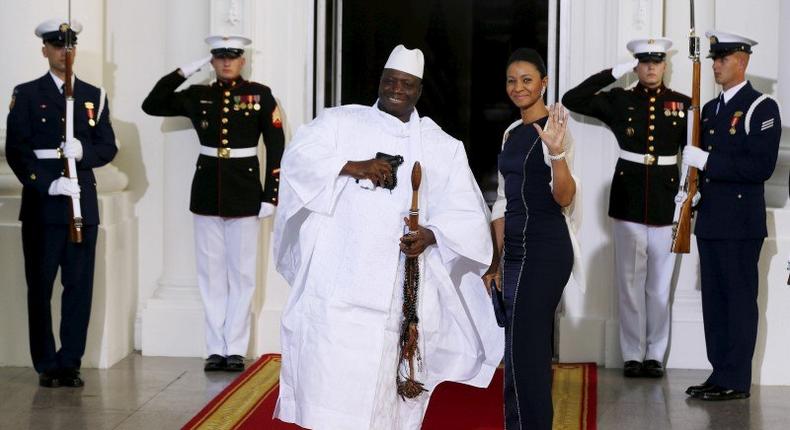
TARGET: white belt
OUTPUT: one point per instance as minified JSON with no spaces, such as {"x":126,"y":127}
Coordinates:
{"x":228,"y":152}
{"x":649,"y":159}
{"x":48,"y":153}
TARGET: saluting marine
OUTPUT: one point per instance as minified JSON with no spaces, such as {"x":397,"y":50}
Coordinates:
{"x":227,"y":198}
{"x":649,"y":122}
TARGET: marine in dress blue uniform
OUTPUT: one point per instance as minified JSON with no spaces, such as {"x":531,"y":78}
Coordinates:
{"x":741,"y":129}
{"x":649,"y":123}
{"x":227,"y":198}
{"x":35,"y":146}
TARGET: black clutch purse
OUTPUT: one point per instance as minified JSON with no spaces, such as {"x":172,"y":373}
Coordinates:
{"x":498,"y":300}
{"x":394,"y":161}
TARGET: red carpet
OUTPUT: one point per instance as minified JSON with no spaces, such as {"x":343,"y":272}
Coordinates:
{"x":248,"y":402}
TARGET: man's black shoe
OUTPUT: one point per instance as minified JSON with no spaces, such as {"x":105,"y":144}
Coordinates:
{"x":235,"y":363}
{"x":70,"y":378}
{"x":49,"y":379}
{"x":652,"y":369}
{"x":695,"y":390}
{"x":632,"y":369}
{"x":214,"y":362}
{"x":720,"y":393}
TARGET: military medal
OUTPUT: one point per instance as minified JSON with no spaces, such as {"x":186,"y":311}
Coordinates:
{"x":681,"y":109}
{"x":257,"y":105}
{"x":236,"y":101}
{"x":89,"y":111}
{"x":736,"y":117}
{"x":674,"y":108}
{"x":667,"y":111}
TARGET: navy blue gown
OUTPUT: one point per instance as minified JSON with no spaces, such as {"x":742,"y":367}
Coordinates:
{"x":538,"y":258}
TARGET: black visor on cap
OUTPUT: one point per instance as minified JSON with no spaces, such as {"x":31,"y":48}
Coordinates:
{"x":650,"y":57}
{"x":58,"y":38}
{"x":227,"y":52}
{"x":718,"y":50}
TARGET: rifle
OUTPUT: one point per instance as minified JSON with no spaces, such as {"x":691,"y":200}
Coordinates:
{"x":681,"y":224}
{"x":75,"y":223}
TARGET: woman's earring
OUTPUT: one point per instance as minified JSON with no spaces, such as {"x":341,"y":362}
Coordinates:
{"x":543,"y":91}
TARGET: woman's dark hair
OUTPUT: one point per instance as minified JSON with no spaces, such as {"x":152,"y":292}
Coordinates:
{"x":530,"y":56}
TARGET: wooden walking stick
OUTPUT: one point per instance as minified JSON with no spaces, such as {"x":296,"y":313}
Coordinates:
{"x":408,"y":386}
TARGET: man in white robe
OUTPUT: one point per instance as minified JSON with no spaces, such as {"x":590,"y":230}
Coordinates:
{"x":339,"y":243}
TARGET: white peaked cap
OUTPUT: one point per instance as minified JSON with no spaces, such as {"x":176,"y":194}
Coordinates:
{"x":231,"y":41}
{"x":54,"y":24}
{"x":410,"y":61}
{"x":656,"y":45}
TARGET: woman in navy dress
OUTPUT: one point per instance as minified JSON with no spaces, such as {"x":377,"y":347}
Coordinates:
{"x":533,"y":252}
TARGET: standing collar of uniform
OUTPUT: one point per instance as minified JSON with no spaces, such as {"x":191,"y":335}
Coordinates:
{"x":59,"y":82}
{"x":641,"y":89}
{"x":729,"y":94}
{"x":230,"y":84}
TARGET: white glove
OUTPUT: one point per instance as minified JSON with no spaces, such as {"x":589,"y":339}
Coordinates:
{"x":64,"y":186}
{"x":695,"y":157}
{"x":681,"y":196}
{"x":73,"y":149}
{"x":189,"y":69}
{"x":267,"y":210}
{"x":621,"y":69}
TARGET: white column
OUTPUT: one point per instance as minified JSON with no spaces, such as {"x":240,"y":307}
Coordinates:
{"x":172,"y":322}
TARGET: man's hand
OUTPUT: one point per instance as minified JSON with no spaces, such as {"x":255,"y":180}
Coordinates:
{"x":267,"y":210}
{"x":414,"y":243}
{"x":73,"y":149}
{"x":621,"y":69}
{"x":64,"y":186}
{"x":693,"y":156}
{"x":190,"y":69}
{"x":681,"y":197}
{"x":377,"y":171}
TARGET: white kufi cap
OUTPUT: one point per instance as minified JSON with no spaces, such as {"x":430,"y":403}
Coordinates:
{"x":410,"y":61}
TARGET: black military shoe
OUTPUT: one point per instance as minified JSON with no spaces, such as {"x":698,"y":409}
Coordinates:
{"x":720,"y":393}
{"x":652,"y":369}
{"x":235,"y":363}
{"x":632,"y":369}
{"x":70,"y":377}
{"x":49,"y":379}
{"x":214,"y":362}
{"x":695,"y":390}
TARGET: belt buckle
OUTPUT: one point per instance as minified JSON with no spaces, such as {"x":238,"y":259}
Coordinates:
{"x":223,"y":152}
{"x":650,"y":159}
{"x":59,"y":152}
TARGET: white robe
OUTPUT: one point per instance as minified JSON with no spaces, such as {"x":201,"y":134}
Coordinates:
{"x":336,"y":244}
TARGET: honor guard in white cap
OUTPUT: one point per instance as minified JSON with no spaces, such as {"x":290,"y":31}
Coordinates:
{"x":740,"y":134}
{"x":336,"y":243}
{"x":649,"y":122}
{"x":227,"y":199}
{"x":36,"y":145}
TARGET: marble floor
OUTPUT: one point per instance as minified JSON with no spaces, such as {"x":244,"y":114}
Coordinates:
{"x":164,"y":393}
